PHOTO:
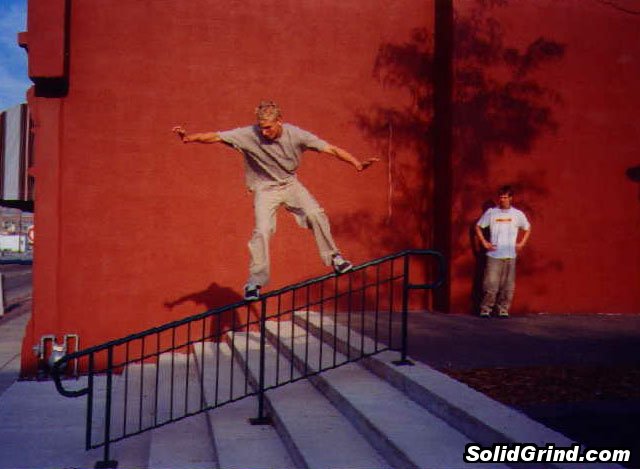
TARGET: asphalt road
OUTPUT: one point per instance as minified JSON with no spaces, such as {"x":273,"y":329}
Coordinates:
{"x":17,"y":287}
{"x":16,"y":282}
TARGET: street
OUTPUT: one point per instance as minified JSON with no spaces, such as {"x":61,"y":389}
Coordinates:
{"x":16,"y":280}
{"x":16,"y":283}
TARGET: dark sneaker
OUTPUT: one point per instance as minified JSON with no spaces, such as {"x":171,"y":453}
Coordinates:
{"x":251,"y":292}
{"x":503,"y":314}
{"x":340,"y":264}
{"x":484,"y":314}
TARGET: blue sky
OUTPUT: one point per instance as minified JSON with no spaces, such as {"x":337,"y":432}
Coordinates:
{"x":13,"y":60}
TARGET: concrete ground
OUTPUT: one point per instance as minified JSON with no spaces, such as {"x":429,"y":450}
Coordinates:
{"x":12,"y":326}
{"x":577,"y":374}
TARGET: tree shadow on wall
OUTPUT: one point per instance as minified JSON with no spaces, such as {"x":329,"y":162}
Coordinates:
{"x":498,"y":107}
{"x":395,"y":130}
{"x":213,"y":297}
{"x":479,"y":256}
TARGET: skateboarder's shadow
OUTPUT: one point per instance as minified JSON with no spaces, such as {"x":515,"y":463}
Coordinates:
{"x":213,"y":297}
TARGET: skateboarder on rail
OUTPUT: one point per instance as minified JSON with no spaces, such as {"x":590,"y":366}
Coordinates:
{"x":272,"y":151}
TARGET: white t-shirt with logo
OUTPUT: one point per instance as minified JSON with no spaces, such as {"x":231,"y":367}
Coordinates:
{"x":504,"y":226}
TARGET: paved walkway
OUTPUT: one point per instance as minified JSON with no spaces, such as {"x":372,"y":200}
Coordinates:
{"x":502,"y":357}
{"x":12,"y":327}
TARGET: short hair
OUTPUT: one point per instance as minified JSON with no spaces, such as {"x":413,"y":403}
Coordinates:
{"x":506,"y":190}
{"x":268,"y":110}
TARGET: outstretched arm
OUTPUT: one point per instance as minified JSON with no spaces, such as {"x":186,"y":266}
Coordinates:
{"x":206,"y":137}
{"x":344,"y":155}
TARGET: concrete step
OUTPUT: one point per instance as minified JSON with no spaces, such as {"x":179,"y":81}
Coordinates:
{"x":187,"y":442}
{"x":154,"y":394}
{"x":401,"y":430}
{"x":482,"y":419}
{"x":238,"y":444}
{"x":133,"y":386}
{"x":316,"y":434}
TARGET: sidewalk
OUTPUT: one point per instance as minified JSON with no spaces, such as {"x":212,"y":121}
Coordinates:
{"x":577,"y":374}
{"x":12,"y":326}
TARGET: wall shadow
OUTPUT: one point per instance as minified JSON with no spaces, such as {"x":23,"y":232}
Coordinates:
{"x":394,"y":131}
{"x":213,"y":297}
{"x":499,"y":112}
{"x":479,"y":257}
{"x":633,"y":174}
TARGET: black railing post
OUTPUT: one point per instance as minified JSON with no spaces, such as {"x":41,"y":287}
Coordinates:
{"x":88,"y":435}
{"x":106,"y":462}
{"x":261,"y":419}
{"x":405,"y":315}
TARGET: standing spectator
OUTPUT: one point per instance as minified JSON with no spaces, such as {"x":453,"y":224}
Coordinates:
{"x":505,"y":223}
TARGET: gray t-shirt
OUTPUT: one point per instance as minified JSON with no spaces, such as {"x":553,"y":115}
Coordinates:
{"x":271,"y":161}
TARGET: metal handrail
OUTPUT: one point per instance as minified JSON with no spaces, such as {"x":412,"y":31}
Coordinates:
{"x":264,"y":302}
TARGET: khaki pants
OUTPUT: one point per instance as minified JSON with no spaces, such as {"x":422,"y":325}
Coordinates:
{"x":297,"y":200}
{"x":498,"y":285}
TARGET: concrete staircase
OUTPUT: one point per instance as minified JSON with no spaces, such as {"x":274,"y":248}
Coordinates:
{"x":369,"y":414}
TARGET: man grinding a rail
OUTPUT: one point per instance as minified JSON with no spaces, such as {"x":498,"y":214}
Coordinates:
{"x":272,"y":152}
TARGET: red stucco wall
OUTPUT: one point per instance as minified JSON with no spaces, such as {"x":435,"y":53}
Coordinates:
{"x":136,"y":229}
{"x":584,"y":252}
{"x":130,"y":220}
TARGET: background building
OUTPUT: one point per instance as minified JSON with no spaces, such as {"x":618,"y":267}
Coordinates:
{"x":16,"y":184}
{"x":540,"y":94}
{"x":16,"y":231}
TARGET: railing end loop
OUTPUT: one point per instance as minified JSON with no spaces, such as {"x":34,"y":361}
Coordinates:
{"x":56,"y":375}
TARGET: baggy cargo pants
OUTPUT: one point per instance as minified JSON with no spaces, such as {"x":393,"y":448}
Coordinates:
{"x":268,"y":197}
{"x":499,"y":285}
